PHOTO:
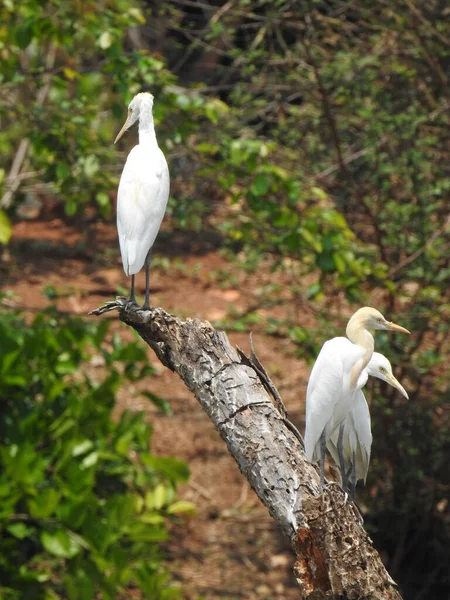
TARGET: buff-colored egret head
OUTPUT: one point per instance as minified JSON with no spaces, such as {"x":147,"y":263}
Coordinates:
{"x":380,"y":367}
{"x":143,"y":99}
{"x":370,"y":318}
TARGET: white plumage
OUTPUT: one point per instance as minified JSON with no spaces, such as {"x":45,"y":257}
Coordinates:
{"x":143,"y":192}
{"x":141,"y":204}
{"x":328,"y":396}
{"x":356,"y":427}
{"x":338,"y":373}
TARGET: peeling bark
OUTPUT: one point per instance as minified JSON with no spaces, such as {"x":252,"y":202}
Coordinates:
{"x":335,"y":557}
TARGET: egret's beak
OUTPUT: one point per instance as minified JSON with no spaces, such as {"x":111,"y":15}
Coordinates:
{"x":393,"y":327}
{"x":122,"y":131}
{"x":395,"y":383}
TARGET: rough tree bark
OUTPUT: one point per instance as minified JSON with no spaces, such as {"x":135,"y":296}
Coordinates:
{"x":335,"y":557}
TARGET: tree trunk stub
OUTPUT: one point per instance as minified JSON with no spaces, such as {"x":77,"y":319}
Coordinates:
{"x":335,"y":557}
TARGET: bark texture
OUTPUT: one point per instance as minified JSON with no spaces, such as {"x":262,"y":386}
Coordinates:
{"x":335,"y":557}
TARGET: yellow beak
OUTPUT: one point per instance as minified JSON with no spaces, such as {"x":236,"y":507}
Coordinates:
{"x":395,"y":383}
{"x":122,"y":131}
{"x":394,"y":327}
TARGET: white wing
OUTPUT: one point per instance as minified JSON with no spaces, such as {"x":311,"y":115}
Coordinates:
{"x":362,"y":445}
{"x":357,"y":438}
{"x":141,"y":204}
{"x":323,"y":393}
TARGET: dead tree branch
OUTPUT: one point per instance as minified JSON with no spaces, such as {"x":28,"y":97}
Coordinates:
{"x":335,"y":557}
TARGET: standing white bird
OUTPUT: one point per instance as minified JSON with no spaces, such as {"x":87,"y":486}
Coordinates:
{"x":354,"y":435}
{"x":143,"y":193}
{"x":334,"y":379}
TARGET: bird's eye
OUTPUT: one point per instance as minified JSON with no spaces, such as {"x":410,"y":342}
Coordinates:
{"x":382,"y":369}
{"x":379,"y":320}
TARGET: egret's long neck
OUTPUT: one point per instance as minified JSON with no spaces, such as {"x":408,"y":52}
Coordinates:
{"x":146,"y":125}
{"x":358,"y":334}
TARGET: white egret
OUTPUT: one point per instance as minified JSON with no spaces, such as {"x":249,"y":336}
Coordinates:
{"x":143,"y":193}
{"x":334,"y":379}
{"x":354,"y":435}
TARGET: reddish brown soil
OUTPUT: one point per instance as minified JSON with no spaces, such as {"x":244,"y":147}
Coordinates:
{"x":230,"y":548}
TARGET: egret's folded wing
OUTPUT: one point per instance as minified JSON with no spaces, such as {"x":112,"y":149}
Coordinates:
{"x":323,"y":392}
{"x":141,"y":204}
{"x":356,"y":439}
{"x":361,"y":425}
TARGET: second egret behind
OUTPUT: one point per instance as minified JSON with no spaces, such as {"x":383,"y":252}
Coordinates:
{"x":354,"y":436}
{"x":335,"y":378}
{"x":143,"y":193}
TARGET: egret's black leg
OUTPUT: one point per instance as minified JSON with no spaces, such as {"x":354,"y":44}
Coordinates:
{"x":353,"y":477}
{"x":132,"y":296}
{"x":323,"y":448}
{"x":340,"y":451}
{"x":146,"y":305}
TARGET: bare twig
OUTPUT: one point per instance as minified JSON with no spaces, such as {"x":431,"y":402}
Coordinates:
{"x":415,"y":255}
{"x":19,"y":164}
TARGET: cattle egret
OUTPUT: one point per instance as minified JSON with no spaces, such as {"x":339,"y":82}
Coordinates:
{"x":143,"y":193}
{"x":354,"y":435}
{"x":334,"y":379}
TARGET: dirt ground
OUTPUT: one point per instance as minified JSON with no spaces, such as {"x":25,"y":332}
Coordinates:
{"x":229,"y":548}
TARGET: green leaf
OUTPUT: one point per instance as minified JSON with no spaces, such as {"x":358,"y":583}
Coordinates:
{"x":261,"y":185}
{"x":174,"y":469}
{"x":14,"y":380}
{"x":181,"y":506}
{"x":158,"y":497}
{"x":159,"y":402}
{"x":312,"y":239}
{"x":103,"y":199}
{"x":82,"y":447}
{"x":24,"y":34}
{"x":136,"y":13}
{"x":215,"y":109}
{"x":152,"y":518}
{"x":8,"y":360}
{"x":325,"y":262}
{"x":60,"y":543}
{"x":313,"y":290}
{"x":91,"y":165}
{"x":20,"y":530}
{"x":319,"y":193}
{"x":90,"y":460}
{"x":70,"y":207}
{"x":62,"y":170}
{"x":5,"y":228}
{"x":44,"y":504}
{"x":339,"y":262}
{"x":105,"y":40}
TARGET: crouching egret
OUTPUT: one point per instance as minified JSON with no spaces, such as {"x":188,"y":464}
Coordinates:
{"x":334,"y":379}
{"x":354,"y":435}
{"x":143,"y":193}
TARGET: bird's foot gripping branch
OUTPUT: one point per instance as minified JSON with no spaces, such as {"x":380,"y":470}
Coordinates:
{"x":335,"y":557}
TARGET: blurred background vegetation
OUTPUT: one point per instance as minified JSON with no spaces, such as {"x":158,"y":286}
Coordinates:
{"x":311,"y":139}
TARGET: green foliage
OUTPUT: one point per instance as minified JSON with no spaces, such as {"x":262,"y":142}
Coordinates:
{"x":83,"y":500}
{"x":66,"y":75}
{"x":5,"y":228}
{"x":280,"y":213}
{"x":313,"y":136}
